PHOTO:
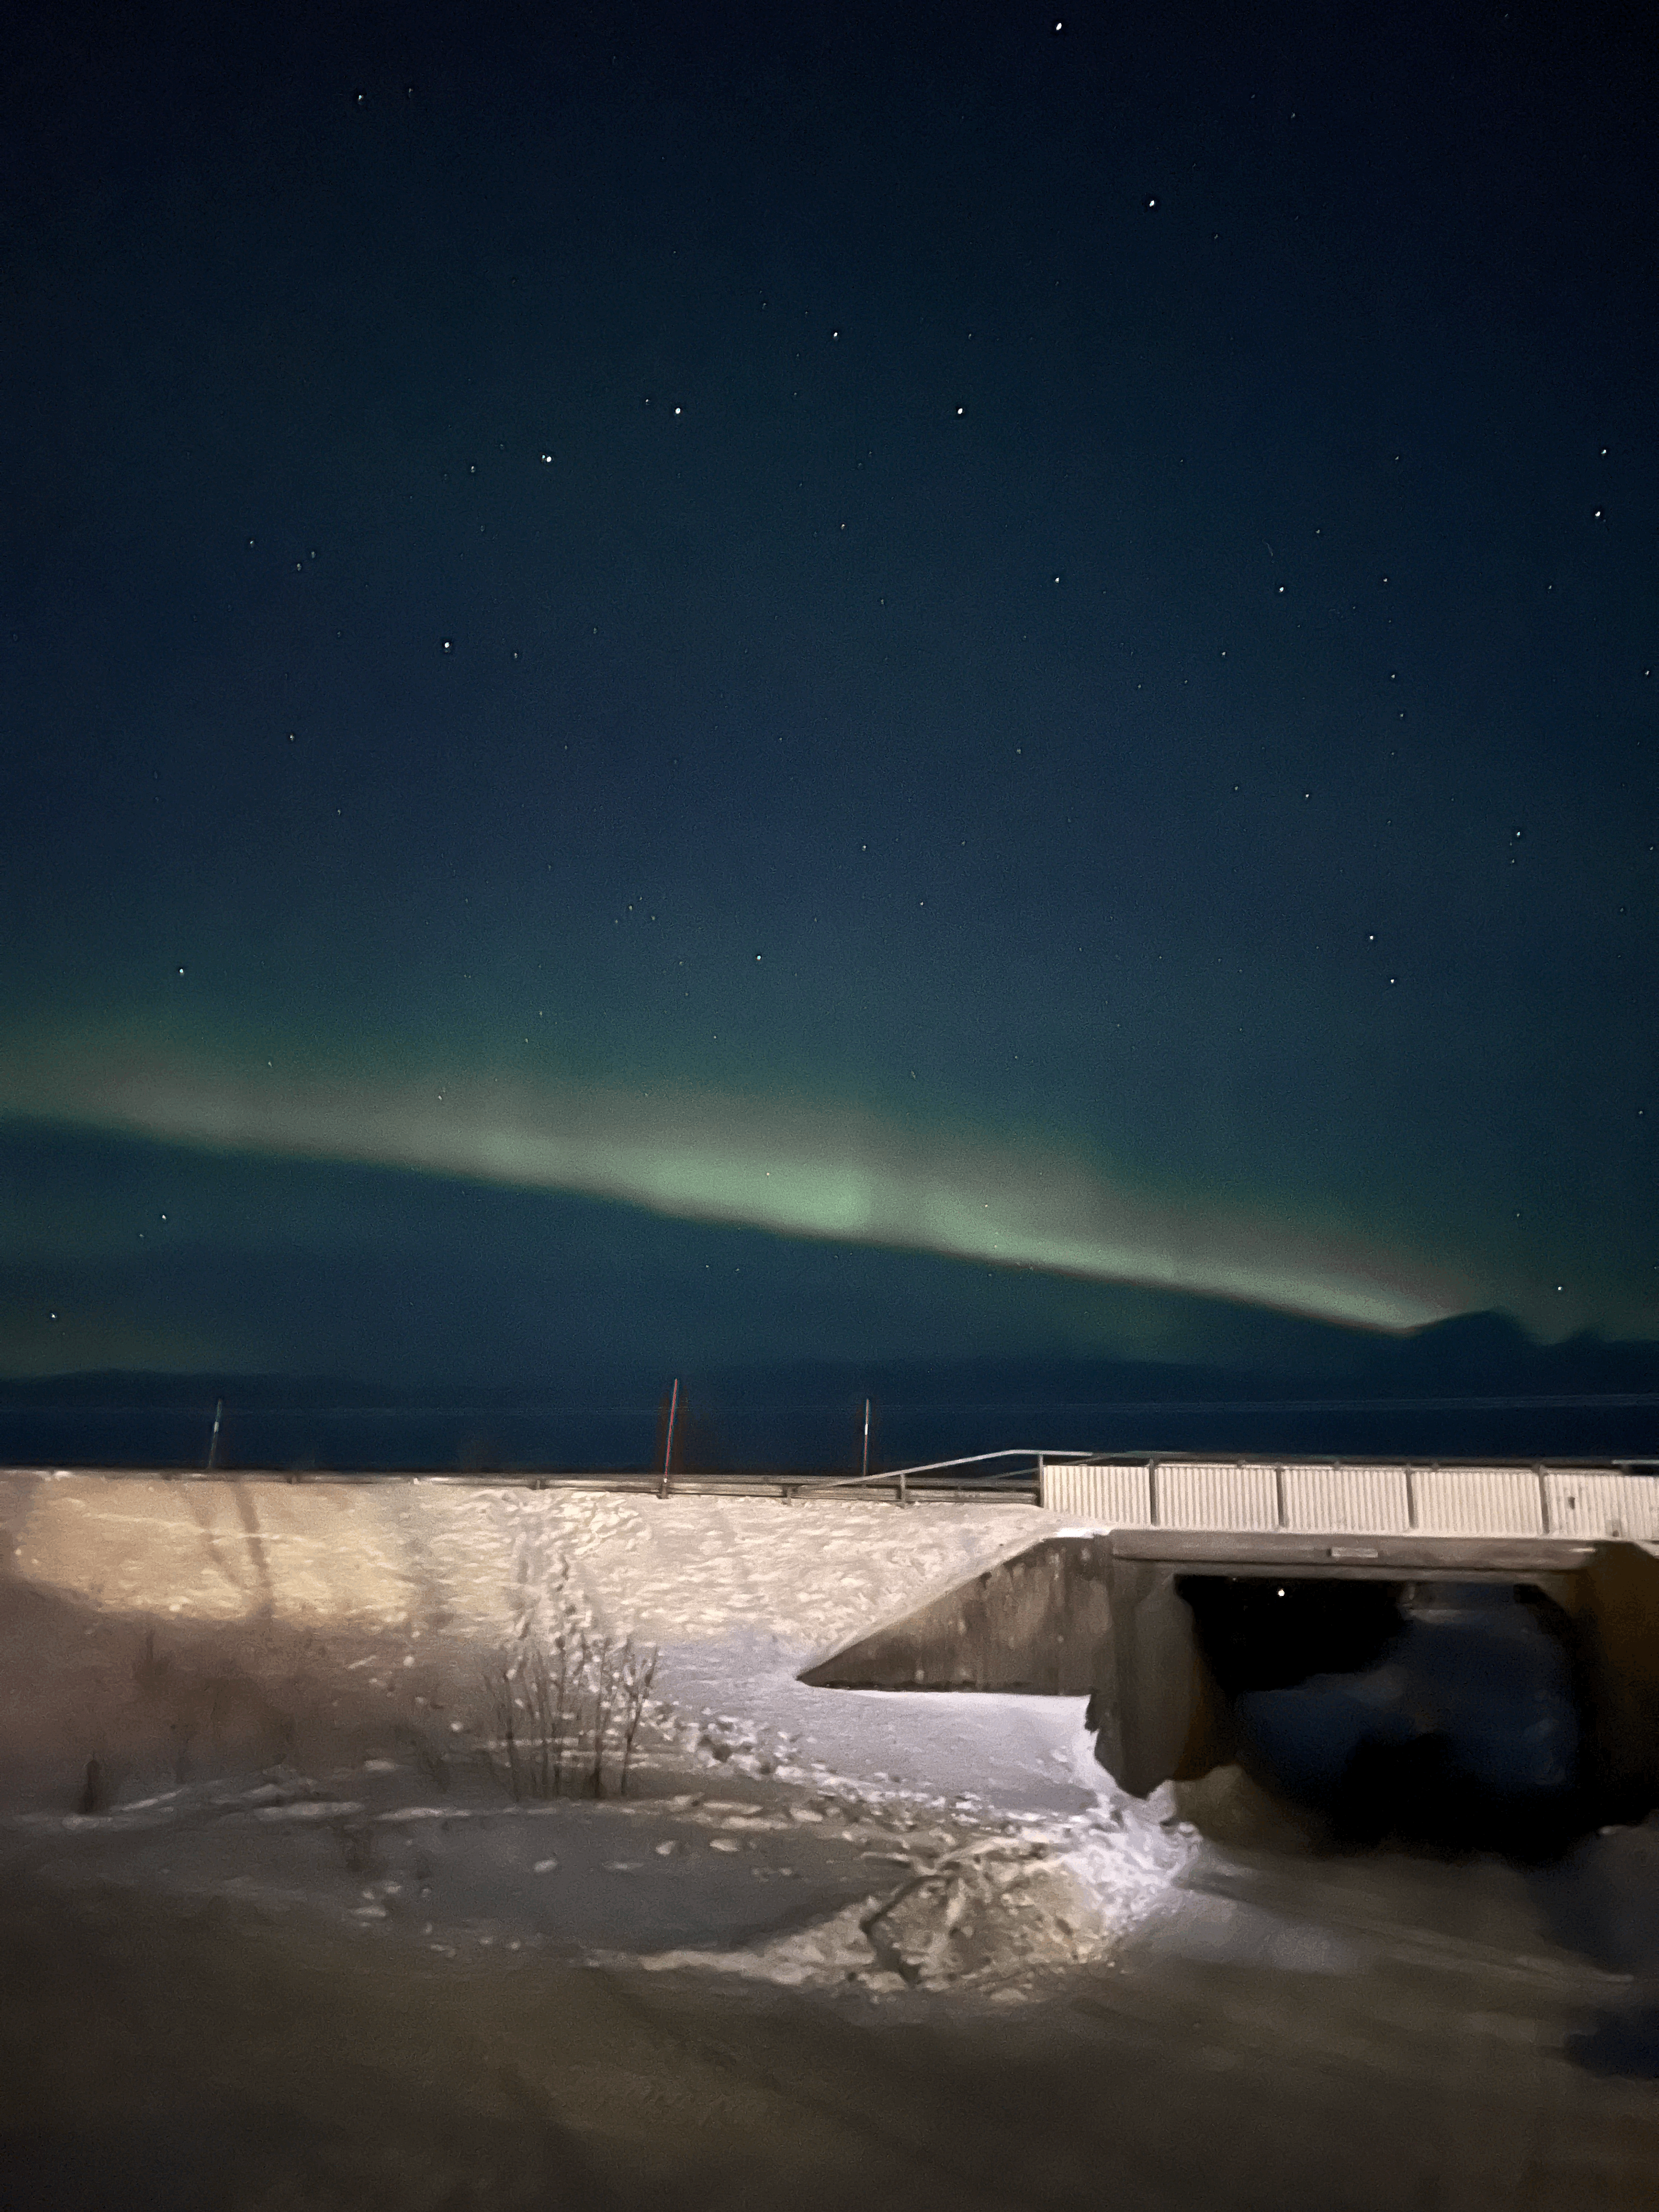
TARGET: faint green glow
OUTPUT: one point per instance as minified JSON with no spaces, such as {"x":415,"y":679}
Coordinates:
{"x":781,"y":1165}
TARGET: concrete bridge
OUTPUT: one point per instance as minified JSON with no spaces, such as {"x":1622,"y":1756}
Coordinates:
{"x":1180,"y":1587}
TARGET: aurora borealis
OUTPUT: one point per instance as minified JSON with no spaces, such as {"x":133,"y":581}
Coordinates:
{"x":799,"y":1172}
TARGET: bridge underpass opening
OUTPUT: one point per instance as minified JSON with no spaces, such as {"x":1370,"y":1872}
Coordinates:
{"x":1486,"y":1692}
{"x":1444,"y":1714}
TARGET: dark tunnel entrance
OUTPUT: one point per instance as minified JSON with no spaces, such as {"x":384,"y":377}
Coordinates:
{"x":1443,"y":1716}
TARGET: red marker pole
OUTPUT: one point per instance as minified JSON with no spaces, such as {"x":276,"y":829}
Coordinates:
{"x":668,"y":1449}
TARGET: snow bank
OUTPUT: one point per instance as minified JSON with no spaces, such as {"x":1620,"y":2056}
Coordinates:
{"x":668,"y":1569}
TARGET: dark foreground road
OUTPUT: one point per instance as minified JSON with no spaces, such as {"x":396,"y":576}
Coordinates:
{"x":153,"y":2054}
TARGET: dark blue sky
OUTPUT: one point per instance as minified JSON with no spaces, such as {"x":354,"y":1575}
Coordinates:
{"x":1007,"y":667}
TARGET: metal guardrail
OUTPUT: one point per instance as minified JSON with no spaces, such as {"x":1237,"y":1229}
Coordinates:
{"x":906,"y":1484}
{"x":904,"y":1475}
{"x":943,"y":1479}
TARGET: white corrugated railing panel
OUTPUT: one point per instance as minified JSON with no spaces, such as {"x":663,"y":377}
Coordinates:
{"x":1216,"y":1496}
{"x":1598,"y":1503}
{"x":1319,"y":1498}
{"x":1104,"y":1497}
{"x":1639,"y":1503}
{"x":1479,"y":1501}
{"x":1346,"y":1500}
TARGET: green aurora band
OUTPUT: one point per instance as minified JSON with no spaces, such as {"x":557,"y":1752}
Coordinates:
{"x":797,"y":1169}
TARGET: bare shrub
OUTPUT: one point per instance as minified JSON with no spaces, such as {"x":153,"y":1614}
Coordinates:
{"x":639,"y":1672}
{"x":604,"y":1670}
{"x":534,"y":1698}
{"x":502,"y":1692}
{"x":565,"y":1703}
{"x":430,"y":1757}
{"x":568,"y":1668}
{"x":544,"y":1720}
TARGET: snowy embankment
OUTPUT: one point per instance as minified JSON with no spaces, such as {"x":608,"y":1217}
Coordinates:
{"x":800,"y":1836}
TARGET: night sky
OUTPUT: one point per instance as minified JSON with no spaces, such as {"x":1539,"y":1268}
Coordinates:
{"x":700,"y":684}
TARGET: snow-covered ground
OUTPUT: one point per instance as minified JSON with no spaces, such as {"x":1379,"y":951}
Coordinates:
{"x":772,"y":1831}
{"x":284,"y":1689}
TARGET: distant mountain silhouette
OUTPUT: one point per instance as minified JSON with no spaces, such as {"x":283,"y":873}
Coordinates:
{"x":1472,"y":1355}
{"x":1474,"y":1386}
